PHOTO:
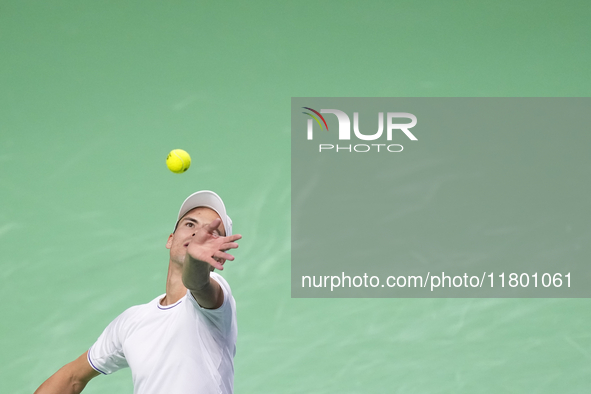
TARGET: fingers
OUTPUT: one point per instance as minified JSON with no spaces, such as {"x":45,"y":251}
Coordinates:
{"x":216,"y":264}
{"x":223,"y":255}
{"x":228,"y":245}
{"x":234,"y":237}
{"x":211,"y":227}
{"x":231,"y":238}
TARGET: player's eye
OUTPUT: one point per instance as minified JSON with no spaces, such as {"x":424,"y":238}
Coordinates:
{"x":190,"y":224}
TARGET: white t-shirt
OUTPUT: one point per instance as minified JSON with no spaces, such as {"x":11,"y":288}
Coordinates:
{"x":175,"y":349}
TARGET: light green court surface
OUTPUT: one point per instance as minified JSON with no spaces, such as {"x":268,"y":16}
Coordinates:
{"x":93,"y":98}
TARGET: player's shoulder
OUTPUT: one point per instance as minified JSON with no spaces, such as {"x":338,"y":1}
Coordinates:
{"x":132,"y":310}
{"x":138,"y":310}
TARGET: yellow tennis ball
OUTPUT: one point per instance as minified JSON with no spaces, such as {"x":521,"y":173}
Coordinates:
{"x":178,"y":161}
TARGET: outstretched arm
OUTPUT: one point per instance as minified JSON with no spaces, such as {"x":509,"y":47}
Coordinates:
{"x":69,"y":379}
{"x":206,"y":251}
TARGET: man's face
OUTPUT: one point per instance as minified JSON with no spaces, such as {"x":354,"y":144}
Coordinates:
{"x":186,"y":227}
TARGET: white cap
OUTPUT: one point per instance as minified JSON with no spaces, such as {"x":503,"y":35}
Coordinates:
{"x":208,"y":199}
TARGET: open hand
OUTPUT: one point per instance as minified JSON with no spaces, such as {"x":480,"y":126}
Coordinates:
{"x":209,"y":247}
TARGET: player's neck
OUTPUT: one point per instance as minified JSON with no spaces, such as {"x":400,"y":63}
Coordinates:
{"x":175,"y":289}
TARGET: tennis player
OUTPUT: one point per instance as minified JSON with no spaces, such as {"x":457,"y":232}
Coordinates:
{"x":183,"y":341}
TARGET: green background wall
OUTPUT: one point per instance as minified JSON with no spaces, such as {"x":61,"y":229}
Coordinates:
{"x":93,"y":97}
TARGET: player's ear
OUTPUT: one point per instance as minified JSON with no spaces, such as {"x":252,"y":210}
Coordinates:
{"x":169,"y":242}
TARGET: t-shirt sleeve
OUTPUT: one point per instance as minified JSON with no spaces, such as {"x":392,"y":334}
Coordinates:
{"x":223,"y":317}
{"x":106,"y":355}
